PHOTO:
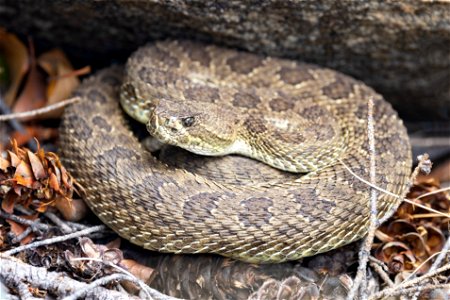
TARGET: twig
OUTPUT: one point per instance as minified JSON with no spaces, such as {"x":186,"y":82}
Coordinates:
{"x":4,"y":291}
{"x":149,"y":291}
{"x":13,"y":271}
{"x":16,"y":125}
{"x":23,"y":291}
{"x":382,"y":273}
{"x":442,"y":254}
{"x":55,"y":239}
{"x":35,"y":225}
{"x":99,"y":282}
{"x":40,"y":111}
{"x":408,"y":283}
{"x":413,"y":274}
{"x":406,"y":291}
{"x":21,"y":236}
{"x":76,"y":226}
{"x":60,"y":223}
{"x":434,"y":192}
{"x":364,"y":253}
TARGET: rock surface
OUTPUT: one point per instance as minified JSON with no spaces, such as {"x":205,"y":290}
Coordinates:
{"x":401,"y":48}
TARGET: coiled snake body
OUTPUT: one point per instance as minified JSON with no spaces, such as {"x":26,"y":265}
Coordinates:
{"x":217,"y":205}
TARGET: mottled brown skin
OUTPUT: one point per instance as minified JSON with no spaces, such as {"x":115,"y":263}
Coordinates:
{"x":169,"y":209}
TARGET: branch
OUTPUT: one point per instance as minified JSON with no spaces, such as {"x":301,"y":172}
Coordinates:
{"x":40,"y":111}
{"x":149,"y":291}
{"x":364,"y":253}
{"x":60,"y":284}
{"x":442,"y":254}
{"x":55,"y":239}
{"x":99,"y":282}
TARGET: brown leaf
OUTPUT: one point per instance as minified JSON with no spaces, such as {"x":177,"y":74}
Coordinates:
{"x":416,"y":244}
{"x":113,"y":256}
{"x":33,"y":93}
{"x":140,"y":271}
{"x":383,"y":236}
{"x":89,"y":248}
{"x":435,"y":239}
{"x":4,"y":164}
{"x":53,"y":182}
{"x":71,"y":258}
{"x":24,"y":175}
{"x":114,"y":243}
{"x":17,"y":229}
{"x":8,"y":202}
{"x":72,"y":209}
{"x":62,"y":80}
{"x":15,"y":160}
{"x":17,"y":60}
{"x":34,"y":131}
{"x":36,"y":166}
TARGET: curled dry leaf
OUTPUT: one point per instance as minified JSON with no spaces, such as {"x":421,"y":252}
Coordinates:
{"x":17,"y":61}
{"x":34,"y":180}
{"x":33,"y":94}
{"x":34,"y":131}
{"x":17,"y":229}
{"x":91,"y":269}
{"x":414,"y":234}
{"x":62,"y":79}
{"x":138,"y":270}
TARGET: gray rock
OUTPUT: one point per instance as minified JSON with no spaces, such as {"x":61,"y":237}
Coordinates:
{"x":401,"y":48}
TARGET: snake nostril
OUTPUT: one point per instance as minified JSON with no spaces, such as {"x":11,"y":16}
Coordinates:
{"x":174,"y":130}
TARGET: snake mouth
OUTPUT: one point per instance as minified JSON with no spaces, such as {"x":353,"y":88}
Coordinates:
{"x":153,"y":121}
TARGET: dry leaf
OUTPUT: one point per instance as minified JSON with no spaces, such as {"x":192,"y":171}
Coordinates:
{"x":8,"y":203}
{"x":140,"y":271}
{"x":36,"y":166}
{"x":33,"y":94}
{"x":18,"y":229}
{"x":414,"y":234}
{"x":62,"y":78}
{"x":33,"y":178}
{"x":35,"y":131}
{"x":17,"y":60}
{"x":24,"y":175}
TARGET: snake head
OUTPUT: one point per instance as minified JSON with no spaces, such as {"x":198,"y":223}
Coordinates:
{"x":195,"y":126}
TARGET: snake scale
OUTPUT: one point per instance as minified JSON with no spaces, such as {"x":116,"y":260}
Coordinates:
{"x":218,"y":205}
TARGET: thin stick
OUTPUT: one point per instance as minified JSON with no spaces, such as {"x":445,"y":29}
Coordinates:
{"x":397,"y":292}
{"x":442,"y":254}
{"x":24,"y":292}
{"x":58,"y":283}
{"x":382,"y":273}
{"x":149,"y":291}
{"x":40,"y":111}
{"x":413,"y":273}
{"x":16,"y":125}
{"x":60,"y":223}
{"x":99,"y":282}
{"x":55,"y":239}
{"x":434,"y":192}
{"x":23,"y":235}
{"x":36,"y":225}
{"x":364,"y":253}
{"x":413,"y":282}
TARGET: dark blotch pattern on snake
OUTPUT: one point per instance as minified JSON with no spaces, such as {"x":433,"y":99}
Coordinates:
{"x":192,"y":209}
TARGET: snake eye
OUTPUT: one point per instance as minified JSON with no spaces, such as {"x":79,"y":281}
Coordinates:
{"x":188,"y":121}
